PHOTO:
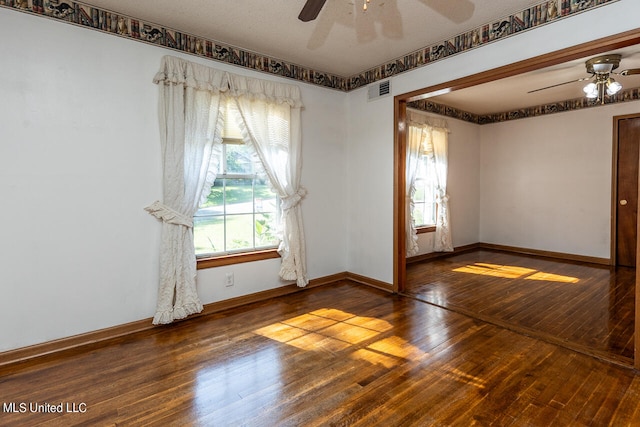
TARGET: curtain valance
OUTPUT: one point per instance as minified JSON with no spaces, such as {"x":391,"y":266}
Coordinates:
{"x":272,"y":92}
{"x":178,"y":71}
{"x":419,"y":119}
{"x":174,"y":70}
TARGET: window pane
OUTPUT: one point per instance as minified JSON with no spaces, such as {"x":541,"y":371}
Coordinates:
{"x":418,"y":213}
{"x":239,"y":232}
{"x":266,"y":199}
{"x":265,"y":228}
{"x":239,"y":195}
{"x":419,"y":195}
{"x":215,"y":198}
{"x":424,"y":196}
{"x":239,"y":159}
{"x":429,"y":214}
{"x":241,"y":211}
{"x":208,"y":234}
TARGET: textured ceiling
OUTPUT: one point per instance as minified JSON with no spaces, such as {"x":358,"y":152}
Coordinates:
{"x":343,"y":40}
{"x":512,"y":93}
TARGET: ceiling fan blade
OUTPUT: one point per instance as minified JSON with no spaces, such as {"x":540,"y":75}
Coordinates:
{"x":630,"y":72}
{"x":560,"y":84}
{"x":311,"y":10}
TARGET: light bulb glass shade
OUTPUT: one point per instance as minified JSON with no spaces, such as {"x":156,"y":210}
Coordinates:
{"x":603,"y":68}
{"x":613,"y":87}
{"x":590,"y":88}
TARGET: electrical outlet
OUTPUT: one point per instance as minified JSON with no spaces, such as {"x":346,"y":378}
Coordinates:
{"x":228,"y":279}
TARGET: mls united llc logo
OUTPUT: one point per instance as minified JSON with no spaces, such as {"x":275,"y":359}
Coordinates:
{"x":36,"y":407}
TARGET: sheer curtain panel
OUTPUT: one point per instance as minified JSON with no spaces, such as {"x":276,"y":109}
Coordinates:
{"x":270,"y":114}
{"x":415,"y":138}
{"x":190,"y":138}
{"x":442,"y":241}
{"x":434,"y":136}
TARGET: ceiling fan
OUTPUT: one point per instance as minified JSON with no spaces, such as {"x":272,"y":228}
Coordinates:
{"x":600,"y":68}
{"x":312,"y":8}
{"x":462,"y":11}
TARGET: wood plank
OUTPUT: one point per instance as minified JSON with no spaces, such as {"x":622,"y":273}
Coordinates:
{"x":340,"y":354}
{"x":586,"y":307}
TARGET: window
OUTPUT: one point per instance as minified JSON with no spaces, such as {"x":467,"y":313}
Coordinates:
{"x":424,"y":198}
{"x":241,"y":213}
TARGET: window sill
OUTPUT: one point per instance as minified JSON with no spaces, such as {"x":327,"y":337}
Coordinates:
{"x":426,"y":229}
{"x":219,"y":261}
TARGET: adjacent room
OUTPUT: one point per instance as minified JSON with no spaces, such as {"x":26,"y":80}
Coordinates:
{"x":553,"y":181}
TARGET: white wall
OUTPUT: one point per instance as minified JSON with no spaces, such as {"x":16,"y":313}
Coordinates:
{"x":546,"y":181}
{"x":370,"y":133}
{"x":80,"y":159}
{"x":370,"y":186}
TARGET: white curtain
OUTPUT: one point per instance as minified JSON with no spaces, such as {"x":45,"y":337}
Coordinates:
{"x":190,"y":137}
{"x":415,"y":138}
{"x":442,"y":241}
{"x":270,"y":115}
{"x":433,"y":135}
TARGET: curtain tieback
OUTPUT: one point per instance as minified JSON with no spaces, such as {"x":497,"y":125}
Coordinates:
{"x":293,"y":200}
{"x":442,"y":197}
{"x":168,"y":215}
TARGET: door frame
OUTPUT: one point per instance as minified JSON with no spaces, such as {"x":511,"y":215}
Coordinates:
{"x":594,"y":47}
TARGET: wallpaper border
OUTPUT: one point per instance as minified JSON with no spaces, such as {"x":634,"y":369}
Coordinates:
{"x":545,"y":12}
{"x":523,"y":113}
{"x":85,"y":15}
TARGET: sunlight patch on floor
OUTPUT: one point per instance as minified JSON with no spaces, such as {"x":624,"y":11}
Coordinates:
{"x":513,"y":272}
{"x":552,"y":277}
{"x":327,"y":329}
{"x":496,"y":270}
{"x":397,"y":347}
{"x":335,"y":330}
{"x":375,"y":358}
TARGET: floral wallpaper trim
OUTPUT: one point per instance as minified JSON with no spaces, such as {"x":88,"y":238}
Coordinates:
{"x":543,"y":13}
{"x":540,"y":110}
{"x":84,"y":15}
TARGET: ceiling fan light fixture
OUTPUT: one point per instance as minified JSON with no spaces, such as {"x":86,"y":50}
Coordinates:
{"x":602,"y":84}
{"x":592,"y":95}
{"x":603,"y":64}
{"x":604,"y":68}
{"x":613,"y":87}
{"x":591,"y":90}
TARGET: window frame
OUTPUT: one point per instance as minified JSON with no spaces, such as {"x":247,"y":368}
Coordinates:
{"x":238,"y":258}
{"x":426,"y":228}
{"x":232,"y":257}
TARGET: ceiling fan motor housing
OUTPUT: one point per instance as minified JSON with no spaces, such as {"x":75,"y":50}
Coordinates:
{"x":603,"y":64}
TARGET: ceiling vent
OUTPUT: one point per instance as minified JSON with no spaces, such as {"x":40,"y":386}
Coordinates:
{"x":379,"y":90}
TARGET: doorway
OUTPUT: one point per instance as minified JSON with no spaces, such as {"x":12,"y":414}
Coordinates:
{"x":626,"y":150}
{"x":400,"y":106}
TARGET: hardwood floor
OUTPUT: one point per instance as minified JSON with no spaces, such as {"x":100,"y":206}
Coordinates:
{"x":341,"y":354}
{"x":588,"y":308}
